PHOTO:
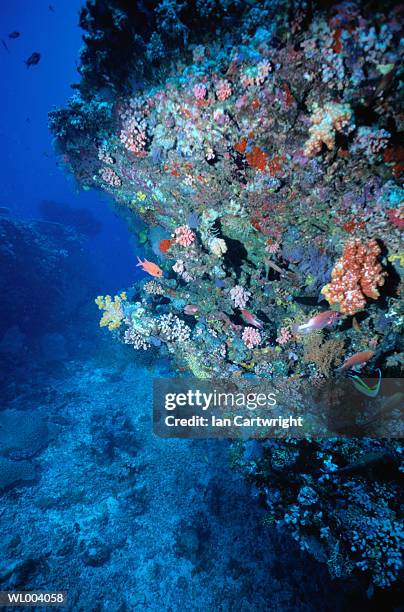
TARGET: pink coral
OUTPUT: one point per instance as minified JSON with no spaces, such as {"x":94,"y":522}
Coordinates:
{"x":110,"y":177}
{"x":199,"y":91}
{"x":223,"y":90}
{"x":251,"y":337}
{"x":133,"y":132}
{"x":272,"y":246}
{"x":284,"y":335}
{"x":133,"y":136}
{"x":240,"y":296}
{"x":184,"y":235}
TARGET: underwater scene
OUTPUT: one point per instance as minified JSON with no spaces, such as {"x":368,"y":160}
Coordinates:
{"x":201,"y":330}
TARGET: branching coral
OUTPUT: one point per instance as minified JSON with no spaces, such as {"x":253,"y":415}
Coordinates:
{"x":136,"y":339}
{"x":325,"y":354}
{"x":110,"y":177}
{"x":173,"y":329}
{"x":251,"y":337}
{"x":223,"y":90}
{"x":184,"y":236}
{"x":133,"y":132}
{"x":380,"y":546}
{"x":153,"y":288}
{"x":355,"y":277}
{"x":240,"y":296}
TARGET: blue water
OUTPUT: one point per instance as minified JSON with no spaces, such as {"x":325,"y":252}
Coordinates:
{"x":29,"y":170}
{"x":91,"y":502}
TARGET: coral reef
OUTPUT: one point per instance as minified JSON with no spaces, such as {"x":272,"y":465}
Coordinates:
{"x":325,"y":122}
{"x":334,"y":501}
{"x":236,"y":155}
{"x":264,"y":160}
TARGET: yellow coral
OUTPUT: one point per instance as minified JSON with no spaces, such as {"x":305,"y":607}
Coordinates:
{"x":113,"y":313}
{"x":399,"y":257}
{"x":196,"y":367}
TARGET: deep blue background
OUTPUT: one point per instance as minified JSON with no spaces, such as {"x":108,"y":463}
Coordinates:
{"x":28,"y":168}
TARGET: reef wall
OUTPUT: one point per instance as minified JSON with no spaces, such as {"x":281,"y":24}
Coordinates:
{"x":260,"y":145}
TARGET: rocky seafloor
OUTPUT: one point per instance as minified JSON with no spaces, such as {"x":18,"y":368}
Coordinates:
{"x":123,"y":520}
{"x":92,"y":503}
{"x":255,"y":148}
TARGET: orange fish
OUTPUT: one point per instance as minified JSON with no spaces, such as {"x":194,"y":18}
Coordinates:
{"x":251,"y":320}
{"x":150,"y":267}
{"x":319,"y":321}
{"x":357,"y":359}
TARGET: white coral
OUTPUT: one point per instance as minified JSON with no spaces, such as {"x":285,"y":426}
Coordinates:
{"x":173,"y":329}
{"x":240,"y":296}
{"x":217,"y":246}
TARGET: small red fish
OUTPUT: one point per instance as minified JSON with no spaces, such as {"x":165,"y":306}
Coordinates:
{"x":251,"y":320}
{"x":150,"y":267}
{"x":191,"y":309}
{"x":357,"y":359}
{"x":319,"y":321}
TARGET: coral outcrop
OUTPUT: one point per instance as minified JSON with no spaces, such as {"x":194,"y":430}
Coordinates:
{"x":257,"y":155}
{"x":355,"y":277}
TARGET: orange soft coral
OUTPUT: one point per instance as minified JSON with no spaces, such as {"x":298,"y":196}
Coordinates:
{"x":355,"y":277}
{"x":257,"y":158}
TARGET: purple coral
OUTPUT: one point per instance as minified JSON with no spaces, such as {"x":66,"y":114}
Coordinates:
{"x":199,"y":91}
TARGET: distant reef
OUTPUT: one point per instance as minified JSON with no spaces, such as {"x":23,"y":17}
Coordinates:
{"x":43,"y":280}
